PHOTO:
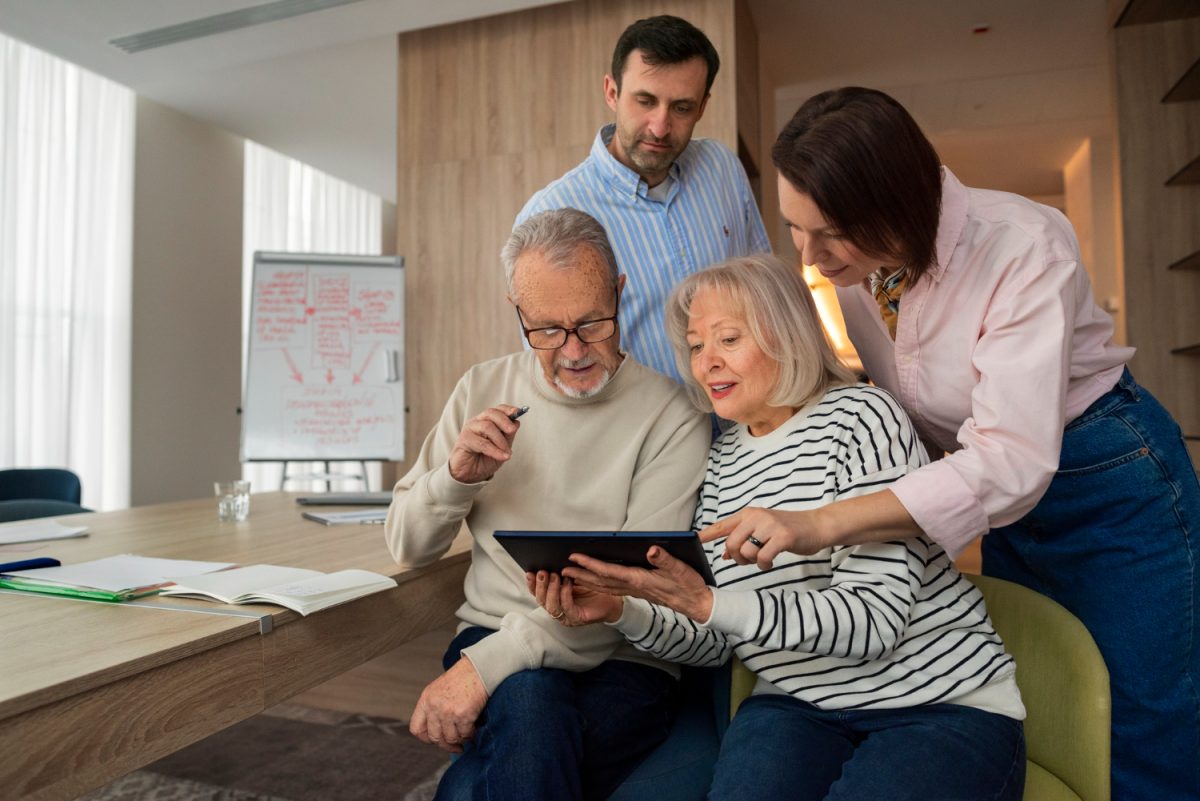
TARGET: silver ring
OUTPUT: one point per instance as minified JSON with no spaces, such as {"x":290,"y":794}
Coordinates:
{"x":755,"y":541}
{"x":561,"y":614}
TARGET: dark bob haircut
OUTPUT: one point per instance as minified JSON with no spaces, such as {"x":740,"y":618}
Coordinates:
{"x":866,"y":165}
{"x":665,"y":40}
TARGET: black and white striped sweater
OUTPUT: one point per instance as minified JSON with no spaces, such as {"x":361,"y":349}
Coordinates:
{"x":880,"y":625}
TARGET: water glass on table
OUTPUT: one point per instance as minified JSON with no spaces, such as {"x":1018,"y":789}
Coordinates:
{"x":233,"y":500}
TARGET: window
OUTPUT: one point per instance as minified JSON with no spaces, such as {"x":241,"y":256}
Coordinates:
{"x":66,"y":205}
{"x":290,"y":206}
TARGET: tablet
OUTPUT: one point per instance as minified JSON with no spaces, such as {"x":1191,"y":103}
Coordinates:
{"x":549,"y":550}
{"x":347,"y":499}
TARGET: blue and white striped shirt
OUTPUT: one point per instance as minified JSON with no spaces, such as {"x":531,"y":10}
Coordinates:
{"x":708,"y":216}
{"x":880,"y":625}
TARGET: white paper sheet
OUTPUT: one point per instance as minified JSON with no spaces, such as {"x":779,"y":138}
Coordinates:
{"x":124,"y":572}
{"x":38,"y":531}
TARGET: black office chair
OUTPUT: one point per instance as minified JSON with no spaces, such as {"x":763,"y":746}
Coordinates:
{"x":48,"y":483}
{"x":28,"y":493}
{"x":30,"y":508}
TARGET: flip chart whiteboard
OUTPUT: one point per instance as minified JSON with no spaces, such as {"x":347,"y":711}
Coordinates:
{"x":325,"y":360}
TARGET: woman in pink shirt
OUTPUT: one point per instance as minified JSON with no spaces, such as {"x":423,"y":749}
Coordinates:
{"x":972,"y":308}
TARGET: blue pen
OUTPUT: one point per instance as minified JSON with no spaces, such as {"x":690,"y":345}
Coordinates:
{"x":29,"y":564}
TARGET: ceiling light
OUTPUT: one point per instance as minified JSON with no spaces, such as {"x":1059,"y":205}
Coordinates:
{"x":221,"y":23}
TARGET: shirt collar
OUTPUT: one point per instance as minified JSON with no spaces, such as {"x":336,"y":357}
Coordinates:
{"x":625,"y":180}
{"x":951,"y":221}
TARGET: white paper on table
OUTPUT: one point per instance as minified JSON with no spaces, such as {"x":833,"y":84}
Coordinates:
{"x":38,"y":531}
{"x":124,"y":572}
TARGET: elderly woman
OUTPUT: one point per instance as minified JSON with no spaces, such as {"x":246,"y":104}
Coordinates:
{"x":879,"y":672}
{"x":974,"y":309}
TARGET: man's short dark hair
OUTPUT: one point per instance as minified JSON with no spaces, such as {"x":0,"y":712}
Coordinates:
{"x":665,"y":40}
{"x":867,"y":166}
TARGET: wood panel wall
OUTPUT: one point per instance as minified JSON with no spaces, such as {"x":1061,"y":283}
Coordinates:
{"x":489,"y":111}
{"x":1161,"y":223}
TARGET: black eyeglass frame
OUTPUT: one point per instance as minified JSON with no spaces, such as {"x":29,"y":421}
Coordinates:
{"x":568,"y":331}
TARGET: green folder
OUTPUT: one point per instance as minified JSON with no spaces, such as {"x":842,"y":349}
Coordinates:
{"x":90,"y":593}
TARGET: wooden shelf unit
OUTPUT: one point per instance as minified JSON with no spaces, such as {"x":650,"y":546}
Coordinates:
{"x":1187,"y":87}
{"x":1189,"y":262}
{"x":1141,"y":12}
{"x":1187,"y":176}
{"x":1156,"y":47}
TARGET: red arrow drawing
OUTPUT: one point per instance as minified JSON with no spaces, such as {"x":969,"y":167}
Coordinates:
{"x":297,"y":376}
{"x":358,"y":376}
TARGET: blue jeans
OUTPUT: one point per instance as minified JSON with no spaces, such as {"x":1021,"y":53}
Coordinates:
{"x":554,"y":734}
{"x":778,"y":747}
{"x":1115,"y":541}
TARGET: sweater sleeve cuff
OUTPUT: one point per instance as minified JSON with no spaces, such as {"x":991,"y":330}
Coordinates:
{"x":444,"y":490}
{"x":498,"y":656}
{"x":734,"y":611}
{"x":635,"y":620}
{"x":943,"y":505}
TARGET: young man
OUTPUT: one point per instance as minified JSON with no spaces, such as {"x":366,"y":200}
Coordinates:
{"x":539,"y":711}
{"x":672,"y":205}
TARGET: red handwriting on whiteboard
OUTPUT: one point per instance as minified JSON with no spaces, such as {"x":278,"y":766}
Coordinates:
{"x":332,"y":347}
{"x":331,"y":291}
{"x":342,"y":415}
{"x":376,"y":313}
{"x":279,"y":309}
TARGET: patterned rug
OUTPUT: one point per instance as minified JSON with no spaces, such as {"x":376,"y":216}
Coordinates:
{"x":292,"y":753}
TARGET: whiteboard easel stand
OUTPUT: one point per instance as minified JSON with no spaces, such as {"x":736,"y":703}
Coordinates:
{"x":325,"y":337}
{"x":328,"y":477}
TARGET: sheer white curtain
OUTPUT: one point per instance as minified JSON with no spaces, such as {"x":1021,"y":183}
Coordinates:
{"x":66,"y":175}
{"x":292,"y":207}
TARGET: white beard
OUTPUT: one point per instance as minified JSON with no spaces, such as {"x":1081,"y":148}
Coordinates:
{"x":572,"y":392}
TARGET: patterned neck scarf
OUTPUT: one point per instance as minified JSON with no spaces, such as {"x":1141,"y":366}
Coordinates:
{"x":887,"y":292}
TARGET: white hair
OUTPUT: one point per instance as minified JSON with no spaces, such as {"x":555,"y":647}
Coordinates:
{"x":557,"y":235}
{"x":779,"y":310}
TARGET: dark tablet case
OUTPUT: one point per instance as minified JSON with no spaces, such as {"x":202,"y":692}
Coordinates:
{"x":548,"y":550}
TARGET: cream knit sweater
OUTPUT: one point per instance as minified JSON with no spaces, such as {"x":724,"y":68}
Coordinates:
{"x":629,"y":458}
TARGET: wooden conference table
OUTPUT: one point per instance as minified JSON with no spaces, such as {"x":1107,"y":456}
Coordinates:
{"x":90,"y":691}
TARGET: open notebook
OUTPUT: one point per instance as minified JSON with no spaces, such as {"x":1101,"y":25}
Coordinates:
{"x":303,"y":591}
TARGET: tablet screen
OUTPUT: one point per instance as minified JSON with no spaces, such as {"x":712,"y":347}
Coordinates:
{"x":549,"y":550}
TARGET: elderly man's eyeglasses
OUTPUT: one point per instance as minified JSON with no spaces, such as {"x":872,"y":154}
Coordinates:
{"x":589,"y":331}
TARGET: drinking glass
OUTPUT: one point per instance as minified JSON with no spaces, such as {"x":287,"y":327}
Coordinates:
{"x":233,"y":500}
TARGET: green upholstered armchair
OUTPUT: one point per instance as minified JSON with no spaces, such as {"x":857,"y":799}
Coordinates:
{"x":1064,"y":685}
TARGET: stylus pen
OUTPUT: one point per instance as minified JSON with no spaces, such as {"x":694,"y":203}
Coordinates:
{"x":518,"y":413}
{"x":29,"y":564}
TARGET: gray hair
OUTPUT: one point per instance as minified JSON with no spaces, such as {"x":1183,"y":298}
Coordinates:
{"x":557,"y":234}
{"x":782,"y":317}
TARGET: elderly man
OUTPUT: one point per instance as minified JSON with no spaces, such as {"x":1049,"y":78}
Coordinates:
{"x":536,"y":709}
{"x":674,"y":204}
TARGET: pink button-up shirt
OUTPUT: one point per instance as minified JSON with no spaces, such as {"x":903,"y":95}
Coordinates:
{"x":998,"y":346}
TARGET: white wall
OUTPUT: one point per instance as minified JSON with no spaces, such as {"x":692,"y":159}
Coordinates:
{"x":1091,"y":204}
{"x":187,"y":262}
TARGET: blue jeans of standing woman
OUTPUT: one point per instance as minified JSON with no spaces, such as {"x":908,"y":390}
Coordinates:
{"x":778,"y":748}
{"x":1116,"y":540}
{"x":552,"y":734}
